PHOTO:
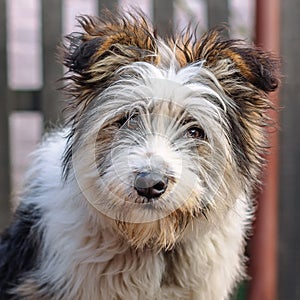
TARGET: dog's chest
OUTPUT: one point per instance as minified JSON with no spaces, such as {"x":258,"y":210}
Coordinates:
{"x":142,"y":275}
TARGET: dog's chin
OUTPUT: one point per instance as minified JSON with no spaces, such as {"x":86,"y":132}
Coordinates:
{"x":162,"y":234}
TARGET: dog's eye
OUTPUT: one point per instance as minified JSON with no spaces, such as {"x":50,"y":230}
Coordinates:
{"x":129,"y":121}
{"x":195,"y":133}
{"x":133,"y":121}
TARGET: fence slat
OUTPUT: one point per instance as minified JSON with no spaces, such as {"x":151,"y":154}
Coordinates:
{"x":52,"y":70}
{"x":25,"y":100}
{"x":263,"y":244}
{"x":217,"y":12}
{"x":163,"y":12}
{"x":4,"y":137}
{"x":107,"y":4}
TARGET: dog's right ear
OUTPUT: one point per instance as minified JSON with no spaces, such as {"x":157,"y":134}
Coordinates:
{"x":94,"y":56}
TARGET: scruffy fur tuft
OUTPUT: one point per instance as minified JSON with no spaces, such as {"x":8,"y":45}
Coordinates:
{"x":147,"y":192}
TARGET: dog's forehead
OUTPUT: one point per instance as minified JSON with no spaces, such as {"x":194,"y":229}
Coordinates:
{"x":168,"y":107}
{"x":178,"y":95}
{"x":167,"y":93}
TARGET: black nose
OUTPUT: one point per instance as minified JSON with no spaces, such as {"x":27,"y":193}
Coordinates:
{"x":150,"y":184}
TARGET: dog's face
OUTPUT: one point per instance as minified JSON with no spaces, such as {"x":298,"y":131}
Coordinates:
{"x":164,"y":131}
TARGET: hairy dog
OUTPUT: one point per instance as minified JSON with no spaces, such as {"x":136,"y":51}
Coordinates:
{"x":147,"y":192}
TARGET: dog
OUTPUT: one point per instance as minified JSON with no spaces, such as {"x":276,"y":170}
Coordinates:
{"x":147,"y":192}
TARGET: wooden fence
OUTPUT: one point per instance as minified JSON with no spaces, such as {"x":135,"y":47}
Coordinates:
{"x":46,"y":101}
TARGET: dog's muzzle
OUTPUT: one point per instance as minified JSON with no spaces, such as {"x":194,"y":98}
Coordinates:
{"x":150,"y":184}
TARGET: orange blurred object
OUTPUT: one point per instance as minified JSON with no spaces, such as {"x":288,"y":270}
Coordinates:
{"x":263,"y":245}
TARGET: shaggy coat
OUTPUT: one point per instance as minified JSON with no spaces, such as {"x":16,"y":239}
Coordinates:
{"x":147,"y":192}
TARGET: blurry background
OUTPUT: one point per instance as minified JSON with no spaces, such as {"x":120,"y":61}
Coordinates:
{"x":30,"y":31}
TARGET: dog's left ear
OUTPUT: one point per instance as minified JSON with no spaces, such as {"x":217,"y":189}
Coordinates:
{"x":232,"y":58}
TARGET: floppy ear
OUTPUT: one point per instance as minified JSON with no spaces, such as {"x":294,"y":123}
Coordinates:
{"x":230,"y":59}
{"x":253,"y":65}
{"x":106,"y":44}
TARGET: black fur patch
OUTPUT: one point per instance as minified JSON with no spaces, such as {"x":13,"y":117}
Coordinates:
{"x":19,"y":248}
{"x":79,"y":59}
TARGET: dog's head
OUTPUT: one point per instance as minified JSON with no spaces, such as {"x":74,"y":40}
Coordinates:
{"x":164,"y":132}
